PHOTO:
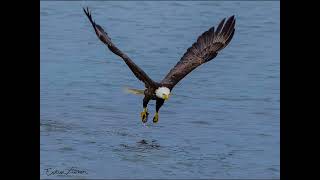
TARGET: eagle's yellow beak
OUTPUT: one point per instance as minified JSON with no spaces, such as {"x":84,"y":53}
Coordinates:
{"x":166,"y":97}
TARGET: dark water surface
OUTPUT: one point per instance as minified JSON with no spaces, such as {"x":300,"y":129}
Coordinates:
{"x":222,"y":120}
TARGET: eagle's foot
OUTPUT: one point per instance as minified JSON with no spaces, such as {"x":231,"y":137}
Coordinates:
{"x":156,"y":118}
{"x":144,"y":115}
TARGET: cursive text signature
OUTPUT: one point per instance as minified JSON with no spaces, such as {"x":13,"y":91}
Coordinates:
{"x":65,"y":172}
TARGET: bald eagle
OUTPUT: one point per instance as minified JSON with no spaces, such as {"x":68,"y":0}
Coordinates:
{"x":203,"y":50}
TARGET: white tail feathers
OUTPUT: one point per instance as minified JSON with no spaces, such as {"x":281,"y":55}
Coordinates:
{"x":134,"y":91}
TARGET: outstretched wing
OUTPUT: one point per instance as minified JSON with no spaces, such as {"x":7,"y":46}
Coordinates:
{"x":205,"y":49}
{"x":103,"y":36}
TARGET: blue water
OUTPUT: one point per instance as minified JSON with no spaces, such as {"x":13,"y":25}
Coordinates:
{"x":222,"y":121}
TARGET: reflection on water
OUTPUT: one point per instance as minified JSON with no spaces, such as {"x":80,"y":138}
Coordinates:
{"x":222,"y":120}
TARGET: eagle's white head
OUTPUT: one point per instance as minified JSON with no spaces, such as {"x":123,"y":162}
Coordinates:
{"x":163,"y":93}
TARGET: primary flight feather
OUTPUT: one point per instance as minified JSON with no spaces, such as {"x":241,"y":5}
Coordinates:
{"x":203,"y":50}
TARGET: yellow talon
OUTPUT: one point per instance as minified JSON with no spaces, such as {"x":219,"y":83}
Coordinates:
{"x":144,"y":115}
{"x":156,"y":118}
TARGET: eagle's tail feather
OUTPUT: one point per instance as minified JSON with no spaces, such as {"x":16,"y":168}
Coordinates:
{"x":134,"y":91}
